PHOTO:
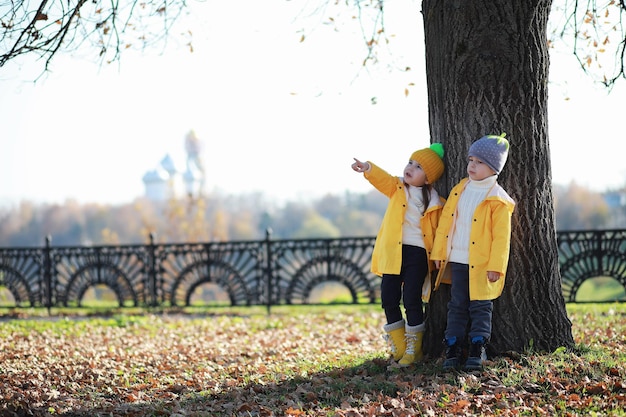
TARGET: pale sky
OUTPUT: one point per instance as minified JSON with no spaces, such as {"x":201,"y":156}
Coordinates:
{"x":275,"y":115}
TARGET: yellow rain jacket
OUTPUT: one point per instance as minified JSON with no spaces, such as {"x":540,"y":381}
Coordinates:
{"x":490,"y":239}
{"x":387,"y":254}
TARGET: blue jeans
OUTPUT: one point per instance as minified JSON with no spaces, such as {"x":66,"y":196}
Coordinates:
{"x":406,"y":287}
{"x":461,"y":310}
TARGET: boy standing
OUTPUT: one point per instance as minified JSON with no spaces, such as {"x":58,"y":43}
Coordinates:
{"x":471,"y":250}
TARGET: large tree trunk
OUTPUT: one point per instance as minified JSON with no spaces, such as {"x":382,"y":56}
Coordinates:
{"x":487,"y":73}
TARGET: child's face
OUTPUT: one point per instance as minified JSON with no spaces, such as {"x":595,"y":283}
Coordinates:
{"x":478,"y":170}
{"x":414,"y":174}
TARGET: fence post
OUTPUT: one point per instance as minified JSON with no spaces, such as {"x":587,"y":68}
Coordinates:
{"x":152,"y":275}
{"x":269,"y":273}
{"x":47,"y":272}
{"x":599,"y":252}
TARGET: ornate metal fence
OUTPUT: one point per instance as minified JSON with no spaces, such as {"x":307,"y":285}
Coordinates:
{"x":265,"y":272}
{"x":588,"y":254}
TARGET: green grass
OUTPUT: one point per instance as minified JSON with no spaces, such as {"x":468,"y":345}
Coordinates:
{"x":600,"y":289}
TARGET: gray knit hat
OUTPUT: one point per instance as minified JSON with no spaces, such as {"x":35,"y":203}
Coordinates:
{"x":492,"y":150}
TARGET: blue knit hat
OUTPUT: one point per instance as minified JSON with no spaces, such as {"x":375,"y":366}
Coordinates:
{"x":492,"y":150}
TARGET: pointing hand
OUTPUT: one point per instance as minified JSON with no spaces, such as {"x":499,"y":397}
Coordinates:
{"x":359,"y":166}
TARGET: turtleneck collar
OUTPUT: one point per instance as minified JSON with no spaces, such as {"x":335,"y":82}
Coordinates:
{"x":484,"y":183}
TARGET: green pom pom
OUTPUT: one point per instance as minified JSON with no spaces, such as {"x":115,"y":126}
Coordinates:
{"x":438,"y":149}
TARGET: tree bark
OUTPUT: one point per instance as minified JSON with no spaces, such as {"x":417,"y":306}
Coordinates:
{"x":487,"y":73}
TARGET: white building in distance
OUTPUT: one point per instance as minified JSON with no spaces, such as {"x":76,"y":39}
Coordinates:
{"x":168,"y":181}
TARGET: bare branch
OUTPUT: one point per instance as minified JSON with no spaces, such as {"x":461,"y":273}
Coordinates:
{"x":47,"y":27}
{"x":596,"y":27}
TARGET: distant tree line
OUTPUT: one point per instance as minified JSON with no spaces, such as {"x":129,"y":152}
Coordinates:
{"x":578,"y":208}
{"x":217,"y":217}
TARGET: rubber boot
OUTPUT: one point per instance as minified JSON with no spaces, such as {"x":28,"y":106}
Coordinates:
{"x":394,"y":335}
{"x":453,"y":355}
{"x":477,"y":355}
{"x":413,"y":337}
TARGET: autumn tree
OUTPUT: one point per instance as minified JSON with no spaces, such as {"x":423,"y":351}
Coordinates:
{"x":487,"y":73}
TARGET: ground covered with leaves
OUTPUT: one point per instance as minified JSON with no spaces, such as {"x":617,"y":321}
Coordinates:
{"x":323,"y":361}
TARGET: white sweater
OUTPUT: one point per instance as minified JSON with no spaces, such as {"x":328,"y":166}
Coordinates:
{"x":473,"y":194}
{"x":411,"y":227}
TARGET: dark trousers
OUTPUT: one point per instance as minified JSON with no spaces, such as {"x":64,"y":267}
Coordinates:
{"x":461,"y":310}
{"x":406,"y":287}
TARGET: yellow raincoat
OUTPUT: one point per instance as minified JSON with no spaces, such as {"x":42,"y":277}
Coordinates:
{"x":387,"y":254}
{"x":490,"y":239}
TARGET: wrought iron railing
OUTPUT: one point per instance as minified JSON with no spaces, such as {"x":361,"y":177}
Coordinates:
{"x":586,"y":254}
{"x":264,"y":272}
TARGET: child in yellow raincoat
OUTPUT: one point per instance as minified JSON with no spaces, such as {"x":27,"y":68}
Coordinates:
{"x":403,"y":245}
{"x":471,"y":250}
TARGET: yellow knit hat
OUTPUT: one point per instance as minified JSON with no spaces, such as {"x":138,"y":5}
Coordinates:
{"x":431,"y":160}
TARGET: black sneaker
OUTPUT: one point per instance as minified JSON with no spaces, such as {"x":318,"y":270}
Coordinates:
{"x":477,"y":355}
{"x":453,"y":357}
